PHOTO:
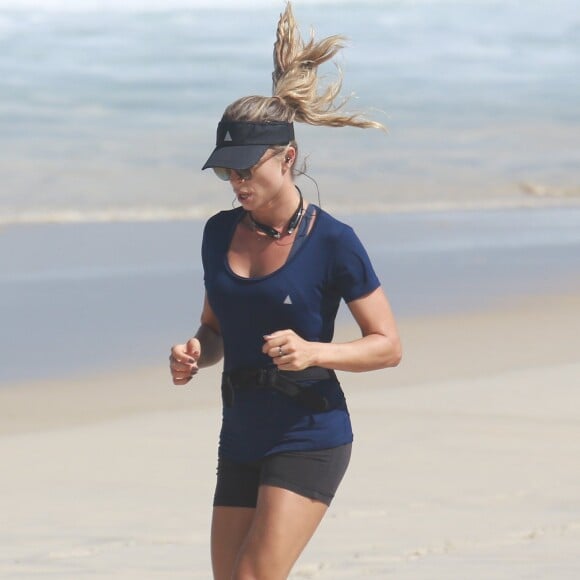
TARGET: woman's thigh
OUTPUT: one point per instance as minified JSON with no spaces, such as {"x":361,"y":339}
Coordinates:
{"x":281,"y":526}
{"x":266,"y":512}
{"x":235,"y":500}
{"x":229,"y":528}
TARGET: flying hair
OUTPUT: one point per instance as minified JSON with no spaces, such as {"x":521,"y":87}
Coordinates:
{"x":295,"y":88}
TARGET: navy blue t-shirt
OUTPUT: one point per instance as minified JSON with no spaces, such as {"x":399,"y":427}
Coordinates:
{"x":303,"y":295}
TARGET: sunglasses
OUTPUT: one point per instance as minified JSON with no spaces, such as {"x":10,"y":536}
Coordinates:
{"x":225,"y":173}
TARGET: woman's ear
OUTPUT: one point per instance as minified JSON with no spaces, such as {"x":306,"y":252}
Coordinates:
{"x":290,"y":156}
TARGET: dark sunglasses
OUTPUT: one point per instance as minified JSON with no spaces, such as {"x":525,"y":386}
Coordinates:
{"x":225,"y":173}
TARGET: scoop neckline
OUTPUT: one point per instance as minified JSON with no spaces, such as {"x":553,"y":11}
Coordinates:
{"x":277,"y":270}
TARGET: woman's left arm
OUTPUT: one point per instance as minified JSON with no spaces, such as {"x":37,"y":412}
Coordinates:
{"x":379,"y":347}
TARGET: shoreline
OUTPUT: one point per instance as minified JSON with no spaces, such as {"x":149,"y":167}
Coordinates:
{"x":111,"y":289}
{"x":194,"y":213}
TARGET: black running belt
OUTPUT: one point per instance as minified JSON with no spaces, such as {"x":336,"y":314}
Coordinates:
{"x":285,"y":382}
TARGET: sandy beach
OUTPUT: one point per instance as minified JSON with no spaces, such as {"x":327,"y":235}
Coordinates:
{"x":465,"y":462}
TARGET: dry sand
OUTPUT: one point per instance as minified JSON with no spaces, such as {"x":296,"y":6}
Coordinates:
{"x":465,"y":463}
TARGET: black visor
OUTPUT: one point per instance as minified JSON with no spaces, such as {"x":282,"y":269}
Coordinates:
{"x":239,"y":145}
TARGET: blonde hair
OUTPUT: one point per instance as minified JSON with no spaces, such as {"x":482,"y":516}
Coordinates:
{"x":295,"y":84}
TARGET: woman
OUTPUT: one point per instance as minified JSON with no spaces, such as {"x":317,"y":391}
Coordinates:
{"x":275,"y":270}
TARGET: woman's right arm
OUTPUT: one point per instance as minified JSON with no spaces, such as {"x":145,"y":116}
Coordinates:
{"x":204,"y":349}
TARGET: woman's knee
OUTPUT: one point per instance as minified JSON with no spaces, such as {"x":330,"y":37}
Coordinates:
{"x":252,"y":566}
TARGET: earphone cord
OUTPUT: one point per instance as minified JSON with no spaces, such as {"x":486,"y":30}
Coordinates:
{"x":299,"y":172}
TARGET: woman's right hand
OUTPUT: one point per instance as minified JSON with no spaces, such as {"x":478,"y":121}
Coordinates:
{"x":183,"y":361}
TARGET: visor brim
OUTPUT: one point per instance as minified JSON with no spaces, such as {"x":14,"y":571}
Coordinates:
{"x":236,"y":156}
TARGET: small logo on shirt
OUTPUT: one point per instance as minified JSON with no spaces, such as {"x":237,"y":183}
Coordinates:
{"x":228,"y":137}
{"x":287,"y":300}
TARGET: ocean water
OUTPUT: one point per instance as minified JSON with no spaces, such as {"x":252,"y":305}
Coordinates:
{"x":108,"y":108}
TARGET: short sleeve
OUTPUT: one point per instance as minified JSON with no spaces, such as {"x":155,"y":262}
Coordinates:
{"x":216,"y":235}
{"x":353,"y":273}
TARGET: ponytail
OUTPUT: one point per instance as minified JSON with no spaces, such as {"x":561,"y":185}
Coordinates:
{"x":295,"y":91}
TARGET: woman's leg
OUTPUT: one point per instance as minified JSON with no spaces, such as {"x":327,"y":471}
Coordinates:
{"x":235,"y":498}
{"x":229,"y":528}
{"x":291,"y":492}
{"x":281,"y":526}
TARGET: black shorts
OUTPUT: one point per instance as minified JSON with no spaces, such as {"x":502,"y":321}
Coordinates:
{"x":312,"y":474}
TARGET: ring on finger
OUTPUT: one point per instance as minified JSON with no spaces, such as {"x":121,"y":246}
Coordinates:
{"x":280,"y":351}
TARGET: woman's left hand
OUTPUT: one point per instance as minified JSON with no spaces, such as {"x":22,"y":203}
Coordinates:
{"x":288,"y":351}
